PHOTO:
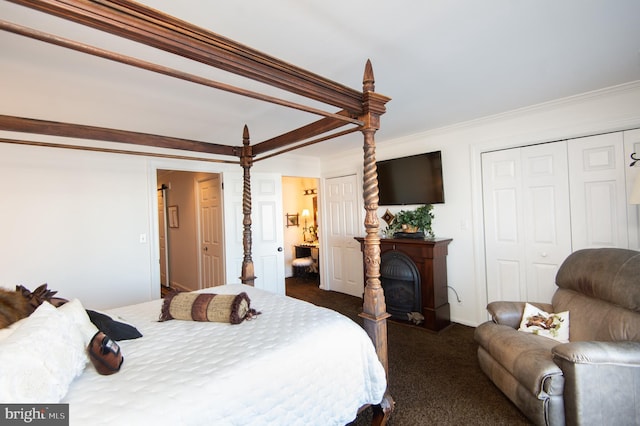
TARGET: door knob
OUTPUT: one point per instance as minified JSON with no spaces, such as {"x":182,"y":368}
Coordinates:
{"x":279,"y":248}
{"x":206,"y":248}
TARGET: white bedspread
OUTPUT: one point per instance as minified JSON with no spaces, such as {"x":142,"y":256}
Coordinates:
{"x":295,"y":364}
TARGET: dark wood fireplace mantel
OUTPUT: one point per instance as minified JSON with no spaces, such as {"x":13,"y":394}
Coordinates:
{"x":430,"y":258}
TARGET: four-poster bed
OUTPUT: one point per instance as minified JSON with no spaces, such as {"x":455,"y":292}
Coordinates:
{"x":359,"y":110}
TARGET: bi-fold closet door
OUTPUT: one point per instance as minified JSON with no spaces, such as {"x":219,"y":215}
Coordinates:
{"x":542,"y":202}
{"x":527,"y":223}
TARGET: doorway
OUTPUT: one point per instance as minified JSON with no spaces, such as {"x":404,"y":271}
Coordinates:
{"x":300,"y":201}
{"x":191,"y":229}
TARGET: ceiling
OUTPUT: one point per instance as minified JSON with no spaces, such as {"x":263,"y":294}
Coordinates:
{"x":441,"y":62}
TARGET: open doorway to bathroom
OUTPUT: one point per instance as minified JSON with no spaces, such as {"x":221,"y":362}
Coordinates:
{"x":302,"y":221}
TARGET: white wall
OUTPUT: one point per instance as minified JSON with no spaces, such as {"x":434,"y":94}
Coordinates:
{"x":460,"y":218}
{"x":73,"y":219}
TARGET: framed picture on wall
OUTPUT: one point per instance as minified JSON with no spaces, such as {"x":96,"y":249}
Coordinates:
{"x":172,"y":212}
{"x":292,"y":219}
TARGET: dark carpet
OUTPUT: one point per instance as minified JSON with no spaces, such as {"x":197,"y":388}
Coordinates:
{"x":434,"y":378}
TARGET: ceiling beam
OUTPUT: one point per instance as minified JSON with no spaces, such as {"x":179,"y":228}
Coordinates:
{"x":151,"y":27}
{"x":311,"y":130}
{"x":54,"y":128}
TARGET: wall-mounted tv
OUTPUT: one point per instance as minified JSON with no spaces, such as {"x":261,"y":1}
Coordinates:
{"x":416,"y":179}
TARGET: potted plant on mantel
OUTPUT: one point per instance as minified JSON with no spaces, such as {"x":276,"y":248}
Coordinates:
{"x":412,"y":223}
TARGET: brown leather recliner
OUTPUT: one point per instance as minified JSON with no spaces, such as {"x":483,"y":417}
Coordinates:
{"x":593,"y":379}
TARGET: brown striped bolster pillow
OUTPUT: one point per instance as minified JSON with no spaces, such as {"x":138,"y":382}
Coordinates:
{"x":231,"y":308}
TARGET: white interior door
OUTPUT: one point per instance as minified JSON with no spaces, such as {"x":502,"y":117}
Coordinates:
{"x":598,"y":191}
{"x":210,"y":232}
{"x":267,"y":232}
{"x":527,"y":221}
{"x":268,"y":235}
{"x":344,"y":258}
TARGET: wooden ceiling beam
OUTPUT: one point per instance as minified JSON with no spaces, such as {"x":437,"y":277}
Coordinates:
{"x":153,"y":28}
{"x":55,"y":128}
{"x":311,"y":130}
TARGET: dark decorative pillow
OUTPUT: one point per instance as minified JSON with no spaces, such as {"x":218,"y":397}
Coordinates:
{"x":105,"y":354}
{"x":231,"y":308}
{"x":39,"y":295}
{"x":112,"y":328}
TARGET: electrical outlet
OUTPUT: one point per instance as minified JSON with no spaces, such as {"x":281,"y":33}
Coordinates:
{"x":143,"y":238}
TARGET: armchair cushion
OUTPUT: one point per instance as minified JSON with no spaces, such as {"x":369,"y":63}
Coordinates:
{"x":595,"y":319}
{"x":609,"y":275}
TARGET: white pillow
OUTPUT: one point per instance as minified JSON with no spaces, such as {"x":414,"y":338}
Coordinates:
{"x":537,"y":321}
{"x":41,"y":358}
{"x":8,"y":331}
{"x":78,"y":315}
{"x":72,"y":309}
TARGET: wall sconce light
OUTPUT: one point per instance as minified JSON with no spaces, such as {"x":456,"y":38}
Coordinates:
{"x":310,"y":192}
{"x":305,"y":215}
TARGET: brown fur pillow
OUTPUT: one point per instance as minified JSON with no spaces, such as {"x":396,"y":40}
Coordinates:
{"x":231,"y":308}
{"x":19,"y":304}
{"x":13,"y":307}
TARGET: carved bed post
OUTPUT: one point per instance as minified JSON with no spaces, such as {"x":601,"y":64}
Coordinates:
{"x":374,"y":312}
{"x":246,"y":161}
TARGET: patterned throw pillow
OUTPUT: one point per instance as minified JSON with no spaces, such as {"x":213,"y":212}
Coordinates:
{"x":537,"y":321}
{"x":105,"y":354}
{"x":231,"y":308}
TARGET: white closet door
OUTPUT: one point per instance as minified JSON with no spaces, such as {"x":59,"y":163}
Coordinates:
{"x":598,"y":191}
{"x":547,"y":225}
{"x":527,"y":228}
{"x":504,"y":239}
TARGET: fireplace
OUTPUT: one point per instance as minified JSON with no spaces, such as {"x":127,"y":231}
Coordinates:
{"x":413,"y":275}
{"x":400,"y":281}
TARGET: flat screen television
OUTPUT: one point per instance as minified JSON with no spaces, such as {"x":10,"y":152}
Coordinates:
{"x":416,"y":179}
